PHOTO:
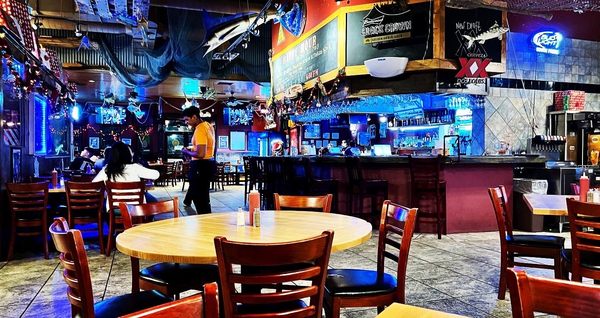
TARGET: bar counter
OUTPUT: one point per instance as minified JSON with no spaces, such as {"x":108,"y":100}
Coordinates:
{"x":468,"y":207}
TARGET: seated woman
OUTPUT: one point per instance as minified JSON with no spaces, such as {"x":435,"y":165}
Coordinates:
{"x":120,"y":168}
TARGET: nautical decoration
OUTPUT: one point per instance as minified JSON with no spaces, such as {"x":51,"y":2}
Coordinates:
{"x":294,"y":19}
{"x":234,"y":28}
{"x":495,"y":31}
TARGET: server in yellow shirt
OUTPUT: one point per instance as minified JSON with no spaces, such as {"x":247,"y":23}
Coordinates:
{"x":202,"y":166}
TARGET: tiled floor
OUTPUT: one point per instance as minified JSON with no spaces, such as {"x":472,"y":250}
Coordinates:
{"x":457,"y":274}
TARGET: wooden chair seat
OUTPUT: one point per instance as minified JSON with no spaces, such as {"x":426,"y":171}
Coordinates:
{"x":178,"y":276}
{"x":126,"y":304}
{"x":358,"y":282}
{"x":588,"y":260}
{"x":549,"y":241}
{"x":375,"y":288}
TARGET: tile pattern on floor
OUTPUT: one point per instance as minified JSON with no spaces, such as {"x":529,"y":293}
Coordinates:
{"x":457,"y":274}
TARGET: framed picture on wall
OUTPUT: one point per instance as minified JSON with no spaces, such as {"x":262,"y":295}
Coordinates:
{"x":238,"y":140}
{"x":15,"y":163}
{"x":126,"y":141}
{"x":223,"y":142}
{"x":94,"y":142}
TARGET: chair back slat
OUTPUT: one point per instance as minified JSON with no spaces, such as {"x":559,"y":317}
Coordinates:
{"x":503,"y":218}
{"x":583,"y":218}
{"x":530,"y":294}
{"x":28,"y":197}
{"x":312,"y":254}
{"x":128,"y":192}
{"x":317,"y":203}
{"x":76,"y":269}
{"x":84,"y":195}
{"x":396,"y":229}
{"x":143,"y":213}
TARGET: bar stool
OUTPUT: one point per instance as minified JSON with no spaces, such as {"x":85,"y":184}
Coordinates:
{"x":361,"y":188}
{"x":428,"y":191}
{"x":314,"y":186}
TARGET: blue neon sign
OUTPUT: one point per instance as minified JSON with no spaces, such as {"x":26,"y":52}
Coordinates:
{"x":547,"y":42}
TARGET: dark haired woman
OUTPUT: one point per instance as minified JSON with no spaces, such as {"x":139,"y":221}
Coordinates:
{"x":120,"y":167}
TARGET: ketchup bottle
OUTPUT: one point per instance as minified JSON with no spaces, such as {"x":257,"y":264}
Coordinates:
{"x":584,"y":186}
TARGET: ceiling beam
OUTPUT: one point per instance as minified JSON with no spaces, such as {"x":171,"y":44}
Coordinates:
{"x":229,"y":7}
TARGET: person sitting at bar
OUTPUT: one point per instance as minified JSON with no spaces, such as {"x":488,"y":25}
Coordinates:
{"x":83,"y":162}
{"x":347,"y":149}
{"x":102,"y":161}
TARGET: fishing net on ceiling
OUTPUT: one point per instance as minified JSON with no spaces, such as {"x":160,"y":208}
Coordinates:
{"x":554,"y":5}
{"x":182,"y":52}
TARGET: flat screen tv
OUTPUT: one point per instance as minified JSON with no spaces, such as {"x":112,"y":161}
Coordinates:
{"x":237,"y":116}
{"x":113,"y":115}
{"x":312,"y":131}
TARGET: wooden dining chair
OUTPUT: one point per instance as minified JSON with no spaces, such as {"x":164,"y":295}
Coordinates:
{"x":368,"y":288}
{"x":312,"y":254}
{"x":76,"y":274}
{"x":28,"y":203}
{"x":511,"y":246}
{"x":85,"y":203}
{"x":117,"y":192}
{"x":168,"y":278}
{"x":583,"y":260}
{"x":290,"y":202}
{"x":203,"y":305}
{"x":562,"y":298}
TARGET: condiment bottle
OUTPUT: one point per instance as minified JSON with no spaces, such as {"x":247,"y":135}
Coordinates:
{"x":54,"y":178}
{"x":584,"y":186}
{"x":253,"y":203}
{"x":240,"y":217}
{"x":256,"y":217}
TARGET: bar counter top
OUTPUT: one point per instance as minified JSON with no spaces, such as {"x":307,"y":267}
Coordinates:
{"x":453,"y":160}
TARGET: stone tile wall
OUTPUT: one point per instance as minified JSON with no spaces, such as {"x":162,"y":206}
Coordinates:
{"x":514,"y":115}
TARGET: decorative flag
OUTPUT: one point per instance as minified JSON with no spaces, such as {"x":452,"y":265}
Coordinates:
{"x":11,"y":136}
{"x":102,"y":9}
{"x":84,"y":6}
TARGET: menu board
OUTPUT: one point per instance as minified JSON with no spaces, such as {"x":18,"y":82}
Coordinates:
{"x":314,"y":56}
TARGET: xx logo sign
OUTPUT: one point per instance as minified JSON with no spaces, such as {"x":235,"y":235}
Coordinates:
{"x":473,"y":67}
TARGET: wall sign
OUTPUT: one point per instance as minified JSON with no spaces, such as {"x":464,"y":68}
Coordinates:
{"x":413,"y":48}
{"x":472,"y":70}
{"x":380,"y":26}
{"x":314,"y":56}
{"x":474,"y":34}
{"x":547,"y":42}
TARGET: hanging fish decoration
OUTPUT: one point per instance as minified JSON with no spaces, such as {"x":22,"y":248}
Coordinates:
{"x":495,"y":31}
{"x":294,"y":19}
{"x":233,"y":28}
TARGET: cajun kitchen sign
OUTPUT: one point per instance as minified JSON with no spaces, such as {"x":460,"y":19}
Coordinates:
{"x":387,"y":23}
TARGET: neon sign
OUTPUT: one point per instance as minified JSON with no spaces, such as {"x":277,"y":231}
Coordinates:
{"x":547,"y":42}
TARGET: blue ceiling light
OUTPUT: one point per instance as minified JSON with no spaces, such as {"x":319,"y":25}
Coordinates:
{"x":76,"y":112}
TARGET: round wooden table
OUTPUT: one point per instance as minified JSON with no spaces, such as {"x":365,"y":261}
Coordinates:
{"x":190,"y":239}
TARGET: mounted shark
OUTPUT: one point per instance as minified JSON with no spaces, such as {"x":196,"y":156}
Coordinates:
{"x":232,"y":27}
{"x":495,"y":31}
